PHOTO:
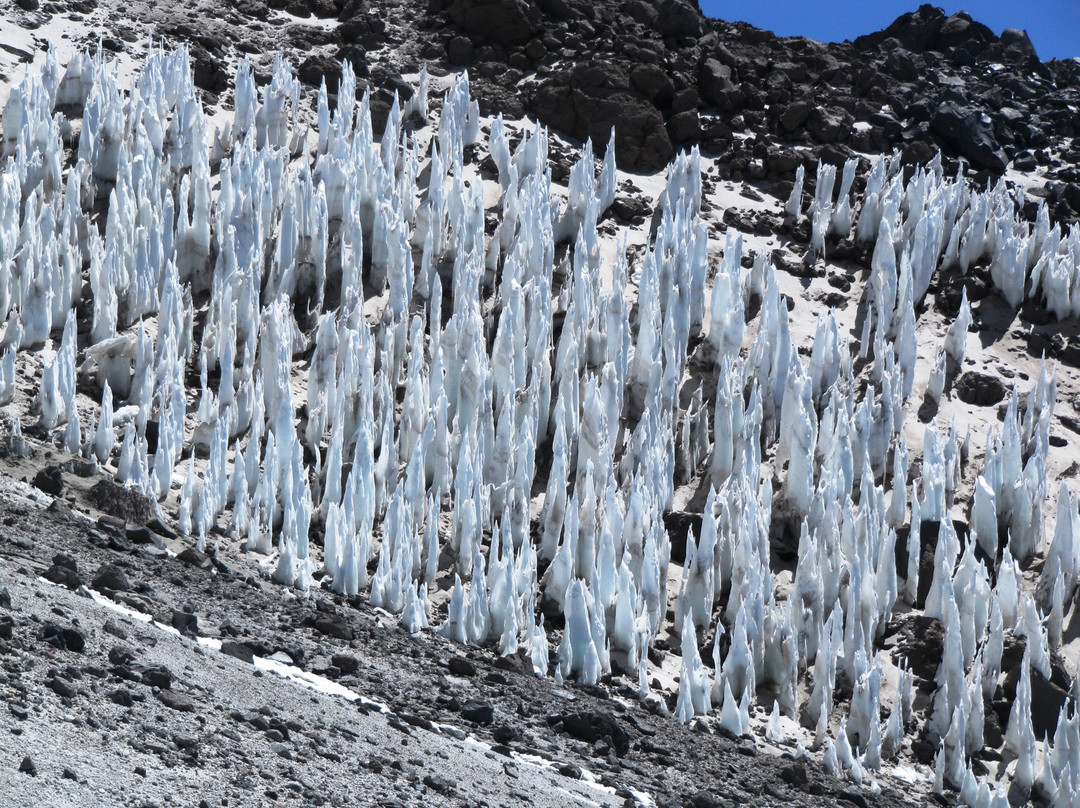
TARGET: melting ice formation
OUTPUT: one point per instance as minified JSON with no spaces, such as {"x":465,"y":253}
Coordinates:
{"x":442,"y":366}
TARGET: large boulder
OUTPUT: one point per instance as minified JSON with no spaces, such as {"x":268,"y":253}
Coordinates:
{"x":509,"y":22}
{"x":653,"y":82}
{"x":929,"y":29}
{"x":960,"y":30}
{"x":971,"y":133}
{"x":679,"y":18}
{"x":830,"y":124}
{"x":794,"y":116}
{"x":1017,"y":46}
{"x":718,"y":84}
{"x":595,"y":96}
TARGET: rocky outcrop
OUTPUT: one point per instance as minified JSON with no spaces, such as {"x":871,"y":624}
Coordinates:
{"x":591,"y":98}
{"x":666,"y":77}
{"x":929,"y":29}
{"x":971,"y":133}
{"x":508,"y":22}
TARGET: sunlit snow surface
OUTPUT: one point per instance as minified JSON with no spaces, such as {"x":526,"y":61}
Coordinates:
{"x":379,"y":364}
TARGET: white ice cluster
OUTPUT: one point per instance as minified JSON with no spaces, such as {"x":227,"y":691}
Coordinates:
{"x":494,"y":414}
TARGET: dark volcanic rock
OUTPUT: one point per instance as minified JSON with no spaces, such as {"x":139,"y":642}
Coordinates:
{"x":185,"y":622}
{"x":654,"y":83}
{"x":121,"y":696}
{"x":50,"y":480}
{"x":346,"y":663}
{"x":334,"y":626}
{"x":594,"y":726}
{"x":122,"y":502}
{"x":679,"y":18}
{"x":209,"y":70}
{"x":980,"y":389}
{"x":920,"y":642}
{"x":176,"y":701}
{"x":1017,"y":46}
{"x":509,"y":22}
{"x":589,"y":100}
{"x":459,"y":50}
{"x":110,"y":576}
{"x":461,"y":666}
{"x":195,"y":558}
{"x":929,"y":29}
{"x":238,"y":650}
{"x":63,"y":571}
{"x":65,"y":638}
{"x":794,"y":116}
{"x":479,"y":712}
{"x":971,"y":133}
{"x":829,"y":125}
{"x":63,"y":687}
{"x":718,"y":85}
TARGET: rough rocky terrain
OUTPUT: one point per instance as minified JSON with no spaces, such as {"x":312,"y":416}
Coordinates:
{"x":664,"y":75}
{"x":104,"y":709}
{"x":107,"y":709}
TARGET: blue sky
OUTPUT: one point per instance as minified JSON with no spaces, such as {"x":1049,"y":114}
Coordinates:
{"x":1052,"y":25}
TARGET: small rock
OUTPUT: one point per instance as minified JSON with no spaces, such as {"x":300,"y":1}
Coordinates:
{"x":70,"y":774}
{"x":795,"y":774}
{"x":113,"y":525}
{"x":64,"y":575}
{"x":238,"y":650}
{"x":160,"y":528}
{"x":595,"y":725}
{"x":154,"y":675}
{"x":142,"y":534}
{"x":5,"y":597}
{"x":110,"y":576}
{"x":63,"y":687}
{"x":185,"y":622}
{"x":28,"y":766}
{"x":854,"y":797}
{"x":65,"y":639}
{"x":123,"y":503}
{"x":980,"y":389}
{"x":50,"y":480}
{"x":121,"y":696}
{"x":114,"y":628}
{"x":459,"y":50}
{"x":439,"y":784}
{"x":185,"y":741}
{"x":479,"y":712}
{"x":176,"y":701}
{"x":461,"y":666}
{"x":504,"y":733}
{"x":334,"y":626}
{"x":346,"y":663}
{"x":705,"y":799}
{"x":508,"y":22}
{"x":195,"y":558}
